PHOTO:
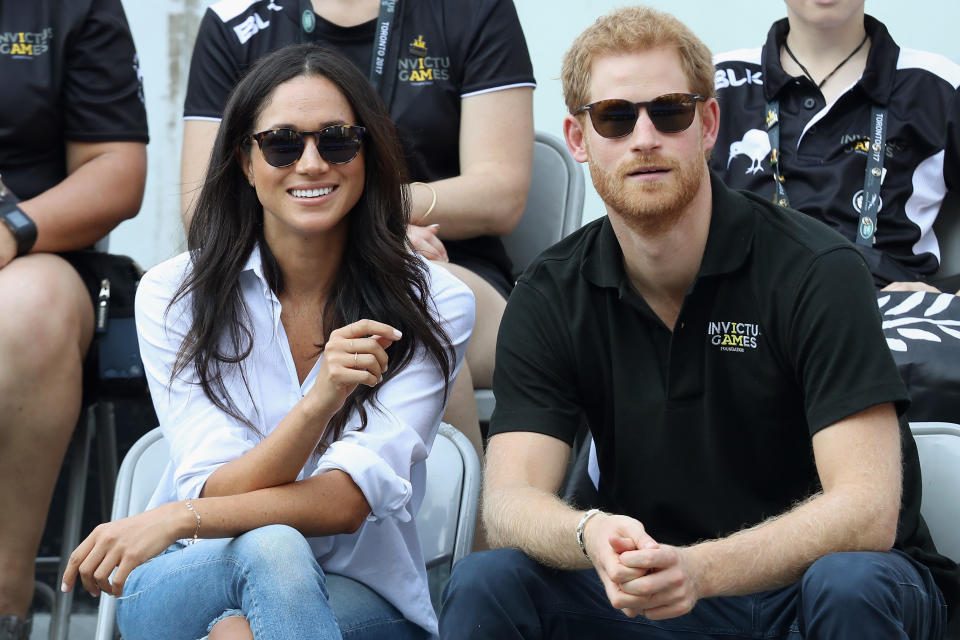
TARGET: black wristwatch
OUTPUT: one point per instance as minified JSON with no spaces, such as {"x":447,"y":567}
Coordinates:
{"x":21,"y":226}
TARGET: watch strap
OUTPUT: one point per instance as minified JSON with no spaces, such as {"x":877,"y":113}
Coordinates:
{"x":24,"y":230}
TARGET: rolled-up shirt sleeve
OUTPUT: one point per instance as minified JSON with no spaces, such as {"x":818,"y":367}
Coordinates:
{"x":403,"y":422}
{"x":200,"y":435}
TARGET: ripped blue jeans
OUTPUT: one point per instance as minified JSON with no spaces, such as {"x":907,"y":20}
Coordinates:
{"x":269,"y":576}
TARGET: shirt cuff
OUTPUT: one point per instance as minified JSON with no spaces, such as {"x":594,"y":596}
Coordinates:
{"x":387,"y":493}
{"x":190,"y":487}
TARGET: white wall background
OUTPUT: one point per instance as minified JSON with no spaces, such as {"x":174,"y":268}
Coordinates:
{"x":164,"y":31}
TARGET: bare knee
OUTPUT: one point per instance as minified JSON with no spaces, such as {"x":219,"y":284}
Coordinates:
{"x":232,"y":628}
{"x":47,"y":315}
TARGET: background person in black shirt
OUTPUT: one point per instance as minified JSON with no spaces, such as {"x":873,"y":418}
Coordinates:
{"x":73,"y":133}
{"x":826,"y":66}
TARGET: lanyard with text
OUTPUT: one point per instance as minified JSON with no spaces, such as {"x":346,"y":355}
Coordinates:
{"x":771,"y":122}
{"x":383,"y":61}
{"x":873,"y":175}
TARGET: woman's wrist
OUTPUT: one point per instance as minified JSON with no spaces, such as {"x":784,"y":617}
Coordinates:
{"x":428,"y":200}
{"x":315,"y":412}
{"x":183,"y":521}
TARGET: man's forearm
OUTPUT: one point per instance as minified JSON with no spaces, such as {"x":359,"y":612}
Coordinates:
{"x":536,"y":522}
{"x":776,"y":553}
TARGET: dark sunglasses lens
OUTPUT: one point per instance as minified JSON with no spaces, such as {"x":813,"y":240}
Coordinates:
{"x":614,"y":118}
{"x":672,"y":113}
{"x":281,"y":147}
{"x":338,"y":145}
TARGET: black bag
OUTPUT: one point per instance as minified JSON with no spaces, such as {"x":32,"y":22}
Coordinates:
{"x":113,"y":366}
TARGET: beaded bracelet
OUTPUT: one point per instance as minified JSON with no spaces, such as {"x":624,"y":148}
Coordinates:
{"x":196,"y":532}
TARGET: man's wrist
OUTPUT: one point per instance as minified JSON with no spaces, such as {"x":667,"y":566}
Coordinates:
{"x":696,"y":559}
{"x":581,"y":528}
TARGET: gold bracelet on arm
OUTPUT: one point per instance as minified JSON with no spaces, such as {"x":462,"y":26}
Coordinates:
{"x":196,"y":532}
{"x":433,"y":203}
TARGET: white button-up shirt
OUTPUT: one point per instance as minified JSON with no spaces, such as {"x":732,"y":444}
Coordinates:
{"x":385,"y":460}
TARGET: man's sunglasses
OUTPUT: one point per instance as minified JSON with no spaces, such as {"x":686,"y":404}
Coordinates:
{"x":336,"y":144}
{"x":669,"y":113}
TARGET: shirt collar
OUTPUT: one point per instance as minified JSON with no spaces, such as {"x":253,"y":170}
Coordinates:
{"x":732,"y":226}
{"x":254,"y":262}
{"x":729,"y":242}
{"x":254,"y":265}
{"x":877,"y":78}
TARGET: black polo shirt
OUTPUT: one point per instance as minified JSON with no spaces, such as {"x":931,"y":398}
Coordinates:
{"x":706,"y":429}
{"x":823,"y":148}
{"x":69,"y":71}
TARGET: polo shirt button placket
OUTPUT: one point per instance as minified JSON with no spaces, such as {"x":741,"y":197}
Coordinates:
{"x":809,"y":103}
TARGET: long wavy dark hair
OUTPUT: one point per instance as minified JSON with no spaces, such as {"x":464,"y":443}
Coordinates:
{"x":379,"y":278}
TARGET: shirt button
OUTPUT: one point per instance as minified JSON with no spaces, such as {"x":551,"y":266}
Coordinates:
{"x":809,"y":103}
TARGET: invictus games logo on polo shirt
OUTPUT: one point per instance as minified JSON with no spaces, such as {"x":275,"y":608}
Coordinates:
{"x":25,"y":45}
{"x":733,"y":336}
{"x":419,"y":47}
{"x":421,"y":69}
{"x":860,"y":144}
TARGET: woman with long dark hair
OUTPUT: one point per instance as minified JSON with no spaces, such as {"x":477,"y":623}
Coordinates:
{"x":299,"y":356}
{"x":458,"y":82}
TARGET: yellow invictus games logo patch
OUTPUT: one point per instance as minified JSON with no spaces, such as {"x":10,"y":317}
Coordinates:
{"x":421,"y":68}
{"x":25,"y":44}
{"x":733,"y":336}
{"x":419,"y":47}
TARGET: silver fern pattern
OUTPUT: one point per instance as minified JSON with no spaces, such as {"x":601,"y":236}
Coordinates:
{"x":920,"y":316}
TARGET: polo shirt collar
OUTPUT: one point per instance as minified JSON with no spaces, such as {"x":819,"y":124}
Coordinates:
{"x":732,"y":226}
{"x":877,"y":78}
{"x":603,"y":260}
{"x":729,"y":242}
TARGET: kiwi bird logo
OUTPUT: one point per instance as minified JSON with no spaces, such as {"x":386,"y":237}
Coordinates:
{"x":755,"y":145}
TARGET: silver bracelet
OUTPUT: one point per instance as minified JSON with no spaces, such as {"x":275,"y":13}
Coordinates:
{"x":580,"y":527}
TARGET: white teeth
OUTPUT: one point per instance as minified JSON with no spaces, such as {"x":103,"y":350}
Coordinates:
{"x":310,"y":193}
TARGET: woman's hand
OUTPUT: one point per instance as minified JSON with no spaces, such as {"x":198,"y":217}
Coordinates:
{"x":124,"y":545}
{"x":354,"y":354}
{"x":424,"y":241}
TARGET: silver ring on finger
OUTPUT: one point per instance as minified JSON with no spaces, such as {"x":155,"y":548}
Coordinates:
{"x":355,"y":356}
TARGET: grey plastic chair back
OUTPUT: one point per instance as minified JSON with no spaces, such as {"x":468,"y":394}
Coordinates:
{"x":447,"y":516}
{"x":445,"y":521}
{"x":139,"y":474}
{"x":554,"y":203}
{"x":938,"y":444}
{"x":554,"y":210}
